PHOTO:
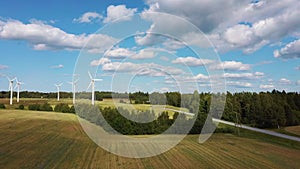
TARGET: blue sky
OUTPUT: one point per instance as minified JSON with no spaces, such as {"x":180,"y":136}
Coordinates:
{"x":257,"y":44}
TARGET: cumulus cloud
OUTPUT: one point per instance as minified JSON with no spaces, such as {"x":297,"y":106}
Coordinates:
{"x":150,"y":69}
{"x":239,"y":84}
{"x":231,"y":65}
{"x":119,"y":53}
{"x":192,"y":61}
{"x":207,"y":15}
{"x":3,"y":67}
{"x":57,"y":66}
{"x":101,"y":61}
{"x":244,"y":75}
{"x":267,"y":86}
{"x":144,"y":54}
{"x":201,"y":77}
{"x":47,"y":37}
{"x":119,"y":13}
{"x":290,"y":51}
{"x":88,"y":17}
{"x":284,"y":81}
{"x":234,"y":24}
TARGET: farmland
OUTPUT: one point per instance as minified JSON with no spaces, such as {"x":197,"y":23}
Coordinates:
{"x":32,"y":139}
{"x":293,"y":129}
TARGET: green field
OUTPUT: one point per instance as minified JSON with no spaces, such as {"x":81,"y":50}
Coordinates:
{"x":31,"y":139}
{"x":105,"y":103}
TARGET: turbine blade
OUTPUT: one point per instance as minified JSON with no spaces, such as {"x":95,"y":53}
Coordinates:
{"x":76,"y":81}
{"x":97,"y":80}
{"x":89,"y":86}
{"x":90,"y":75}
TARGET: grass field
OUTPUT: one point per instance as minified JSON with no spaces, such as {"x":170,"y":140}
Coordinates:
{"x":55,"y":140}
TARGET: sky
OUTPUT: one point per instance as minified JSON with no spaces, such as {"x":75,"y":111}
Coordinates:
{"x":151,"y":45}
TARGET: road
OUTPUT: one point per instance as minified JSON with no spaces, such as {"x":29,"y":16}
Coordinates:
{"x":258,"y":130}
{"x":245,"y":127}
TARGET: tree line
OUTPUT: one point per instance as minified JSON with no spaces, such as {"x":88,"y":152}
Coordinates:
{"x":264,"y":109}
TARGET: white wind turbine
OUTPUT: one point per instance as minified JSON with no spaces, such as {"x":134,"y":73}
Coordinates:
{"x":18,"y":84}
{"x":58,"y":87}
{"x":92,"y":83}
{"x":10,"y":87}
{"x":74,"y":83}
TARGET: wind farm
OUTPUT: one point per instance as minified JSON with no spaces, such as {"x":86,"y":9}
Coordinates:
{"x":150,"y":84}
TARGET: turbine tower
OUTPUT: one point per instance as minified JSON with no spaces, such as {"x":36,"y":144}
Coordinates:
{"x":92,"y":83}
{"x":10,"y":87}
{"x":74,"y":83}
{"x":18,"y":84}
{"x":58,"y":87}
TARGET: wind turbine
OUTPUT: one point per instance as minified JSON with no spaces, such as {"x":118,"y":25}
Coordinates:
{"x":18,"y":86}
{"x":58,"y":87}
{"x":92,"y":83}
{"x":10,"y":87}
{"x":74,"y":83}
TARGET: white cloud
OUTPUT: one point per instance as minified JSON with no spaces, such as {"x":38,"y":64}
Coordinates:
{"x":240,"y":35}
{"x":146,"y":69}
{"x":239,"y":84}
{"x":119,"y":13}
{"x":88,"y":17}
{"x":290,"y":51}
{"x":164,"y":58}
{"x":101,"y":61}
{"x":267,"y":86}
{"x":47,"y":37}
{"x":192,"y":61}
{"x":3,"y":67}
{"x":201,"y":77}
{"x":57,"y":66}
{"x":284,"y":81}
{"x":231,"y":65}
{"x":119,"y":53}
{"x":207,"y":15}
{"x":298,"y":82}
{"x":172,"y":44}
{"x":144,"y":54}
{"x":244,"y":75}
{"x":147,"y":39}
{"x":232,"y":24}
{"x":259,"y":74}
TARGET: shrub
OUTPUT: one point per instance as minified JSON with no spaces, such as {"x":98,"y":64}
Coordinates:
{"x":46,"y":107}
{"x":62,"y":107}
{"x":2,"y":106}
{"x":34,"y":107}
{"x":72,"y":110}
{"x":21,"y":107}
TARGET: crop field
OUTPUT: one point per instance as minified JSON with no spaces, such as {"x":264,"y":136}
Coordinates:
{"x":102,"y":104}
{"x":293,"y":129}
{"x":31,"y":139}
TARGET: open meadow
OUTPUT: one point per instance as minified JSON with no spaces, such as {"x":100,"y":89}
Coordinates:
{"x":31,"y":139}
